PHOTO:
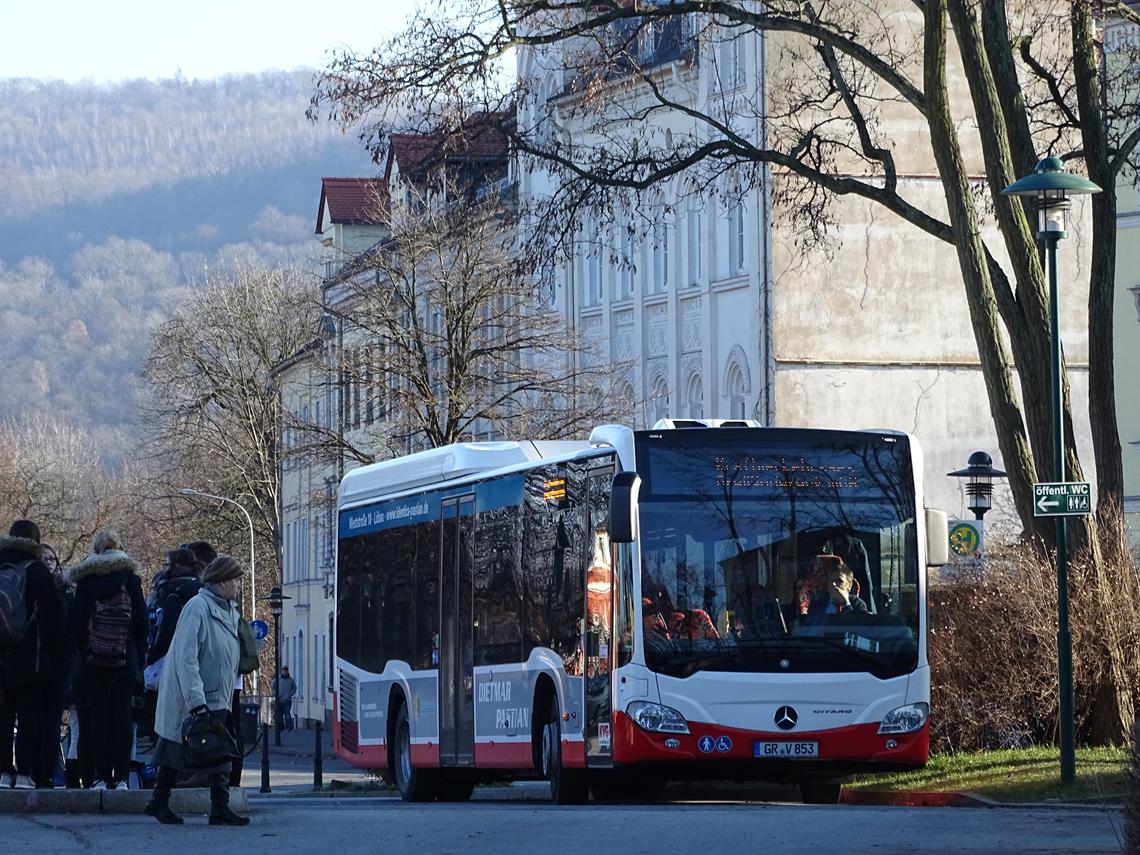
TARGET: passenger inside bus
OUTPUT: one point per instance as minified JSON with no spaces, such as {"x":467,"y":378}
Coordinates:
{"x":664,"y":621}
{"x":840,"y":595}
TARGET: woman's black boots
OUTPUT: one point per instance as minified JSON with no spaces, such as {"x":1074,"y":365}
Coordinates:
{"x":159,"y":804}
{"x":220,"y":813}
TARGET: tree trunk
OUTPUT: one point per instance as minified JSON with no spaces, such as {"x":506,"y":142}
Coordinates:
{"x":1012,"y":440}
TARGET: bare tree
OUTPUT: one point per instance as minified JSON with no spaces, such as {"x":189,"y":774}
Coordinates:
{"x":450,"y":337}
{"x":51,"y":473}
{"x":1033,"y":77}
{"x":841,"y":76}
{"x":213,"y":409}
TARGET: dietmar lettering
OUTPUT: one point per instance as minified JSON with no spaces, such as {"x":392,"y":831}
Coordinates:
{"x":494,"y":691}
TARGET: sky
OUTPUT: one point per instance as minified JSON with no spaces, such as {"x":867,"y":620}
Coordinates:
{"x":107,"y":41}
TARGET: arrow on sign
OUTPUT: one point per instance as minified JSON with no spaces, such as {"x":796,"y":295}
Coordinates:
{"x":1044,"y":504}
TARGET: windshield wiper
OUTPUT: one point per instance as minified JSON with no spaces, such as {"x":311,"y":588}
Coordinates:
{"x":842,"y":643}
{"x":698,"y":660}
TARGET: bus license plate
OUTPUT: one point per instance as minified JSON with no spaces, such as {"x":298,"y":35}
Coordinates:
{"x":785,"y":749}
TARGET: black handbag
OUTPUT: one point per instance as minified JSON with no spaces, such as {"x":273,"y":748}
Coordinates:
{"x":209,"y":739}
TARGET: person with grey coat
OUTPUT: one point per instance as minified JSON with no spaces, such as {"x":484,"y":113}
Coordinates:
{"x":199,"y":675}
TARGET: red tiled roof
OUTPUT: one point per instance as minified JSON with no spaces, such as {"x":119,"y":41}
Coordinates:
{"x":352,"y":200}
{"x":482,"y":138}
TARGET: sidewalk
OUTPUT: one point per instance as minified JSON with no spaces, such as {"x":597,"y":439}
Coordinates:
{"x":291,"y":764}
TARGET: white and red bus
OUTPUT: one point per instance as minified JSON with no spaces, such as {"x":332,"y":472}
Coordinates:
{"x":641,"y":607}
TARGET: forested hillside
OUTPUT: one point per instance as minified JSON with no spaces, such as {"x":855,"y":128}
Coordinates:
{"x":115,"y":199}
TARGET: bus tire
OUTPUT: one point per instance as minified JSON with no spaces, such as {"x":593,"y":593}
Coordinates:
{"x":567,"y":786}
{"x":415,"y":785}
{"x":820,"y":792}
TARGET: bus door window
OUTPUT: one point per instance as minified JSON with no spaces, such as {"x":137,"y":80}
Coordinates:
{"x":457,"y":719}
{"x":599,"y":617}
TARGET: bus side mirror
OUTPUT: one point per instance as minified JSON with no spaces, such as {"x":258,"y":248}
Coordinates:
{"x":937,"y":538}
{"x":623,"y":507}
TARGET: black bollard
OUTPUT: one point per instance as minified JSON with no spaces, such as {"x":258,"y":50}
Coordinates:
{"x":318,"y":771}
{"x":264,"y":751}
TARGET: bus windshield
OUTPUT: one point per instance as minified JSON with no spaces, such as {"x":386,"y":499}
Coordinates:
{"x":778,"y":550}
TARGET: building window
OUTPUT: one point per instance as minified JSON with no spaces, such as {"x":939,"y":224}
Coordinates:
{"x":730,"y":70}
{"x":736,"y":390}
{"x":736,"y":238}
{"x":625,"y":276}
{"x":660,"y":400}
{"x":696,"y":396}
{"x":661,"y":255}
{"x":694,"y":245}
{"x":299,"y":665}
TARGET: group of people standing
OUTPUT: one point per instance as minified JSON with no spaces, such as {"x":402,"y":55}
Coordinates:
{"x":80,"y":639}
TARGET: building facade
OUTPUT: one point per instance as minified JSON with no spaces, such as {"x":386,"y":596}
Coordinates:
{"x":1122,"y":47}
{"x":723,"y":312}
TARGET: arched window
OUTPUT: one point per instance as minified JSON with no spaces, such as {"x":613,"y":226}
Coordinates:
{"x":736,"y":391}
{"x":659,"y":400}
{"x":696,"y":397}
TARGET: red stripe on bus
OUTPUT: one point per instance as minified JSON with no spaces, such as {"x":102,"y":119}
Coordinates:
{"x":573,"y":755}
{"x":426,"y":756}
{"x":857,"y":743}
{"x":504,"y":755}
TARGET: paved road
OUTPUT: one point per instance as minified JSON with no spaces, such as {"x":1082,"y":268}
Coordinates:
{"x":496,"y":823}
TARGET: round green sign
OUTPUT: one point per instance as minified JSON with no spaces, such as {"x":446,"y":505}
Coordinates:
{"x":964,"y":539}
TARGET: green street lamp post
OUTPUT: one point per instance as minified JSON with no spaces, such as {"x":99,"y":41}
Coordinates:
{"x":1051,"y":185}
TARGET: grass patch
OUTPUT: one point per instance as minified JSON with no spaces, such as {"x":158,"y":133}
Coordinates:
{"x":1020,"y":775}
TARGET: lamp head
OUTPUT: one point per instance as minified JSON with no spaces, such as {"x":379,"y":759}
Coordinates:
{"x":186,"y":491}
{"x":1051,"y":186}
{"x":980,"y":485}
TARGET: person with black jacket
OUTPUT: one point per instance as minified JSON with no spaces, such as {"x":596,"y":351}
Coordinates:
{"x":183,"y":580}
{"x":58,"y":687}
{"x":109,"y":626}
{"x":28,"y":666}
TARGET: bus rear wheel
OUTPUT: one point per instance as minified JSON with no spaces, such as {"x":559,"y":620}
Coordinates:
{"x":820,"y":792}
{"x":415,"y":785}
{"x":567,"y":786}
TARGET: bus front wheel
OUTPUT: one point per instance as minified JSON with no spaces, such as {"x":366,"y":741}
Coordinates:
{"x":567,"y":786}
{"x":415,"y":785}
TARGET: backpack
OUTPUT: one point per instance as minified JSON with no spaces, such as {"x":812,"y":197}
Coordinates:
{"x":247,"y":646}
{"x":109,"y":630}
{"x":14,"y":616}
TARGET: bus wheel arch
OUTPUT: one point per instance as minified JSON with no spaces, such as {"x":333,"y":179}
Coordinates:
{"x":545,"y":694}
{"x":567,"y":786}
{"x":414,"y":784}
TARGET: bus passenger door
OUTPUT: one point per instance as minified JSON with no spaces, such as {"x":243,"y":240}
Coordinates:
{"x":456,"y":681}
{"x":599,"y":619}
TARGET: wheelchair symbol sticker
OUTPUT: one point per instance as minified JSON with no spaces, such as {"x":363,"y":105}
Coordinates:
{"x":723,"y":744}
{"x":705,"y":744}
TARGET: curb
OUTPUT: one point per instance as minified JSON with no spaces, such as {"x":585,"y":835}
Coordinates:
{"x":914,"y":799}
{"x":190,"y":800}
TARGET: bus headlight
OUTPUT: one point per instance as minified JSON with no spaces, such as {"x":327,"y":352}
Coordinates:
{"x":906,"y":719}
{"x":656,"y":718}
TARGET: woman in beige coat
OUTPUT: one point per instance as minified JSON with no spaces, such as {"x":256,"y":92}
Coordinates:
{"x":199,"y":675}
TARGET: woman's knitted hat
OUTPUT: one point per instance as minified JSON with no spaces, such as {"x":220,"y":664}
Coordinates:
{"x":222,"y":569}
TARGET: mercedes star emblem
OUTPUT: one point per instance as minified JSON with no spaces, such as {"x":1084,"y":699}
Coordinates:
{"x":786,"y":718}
